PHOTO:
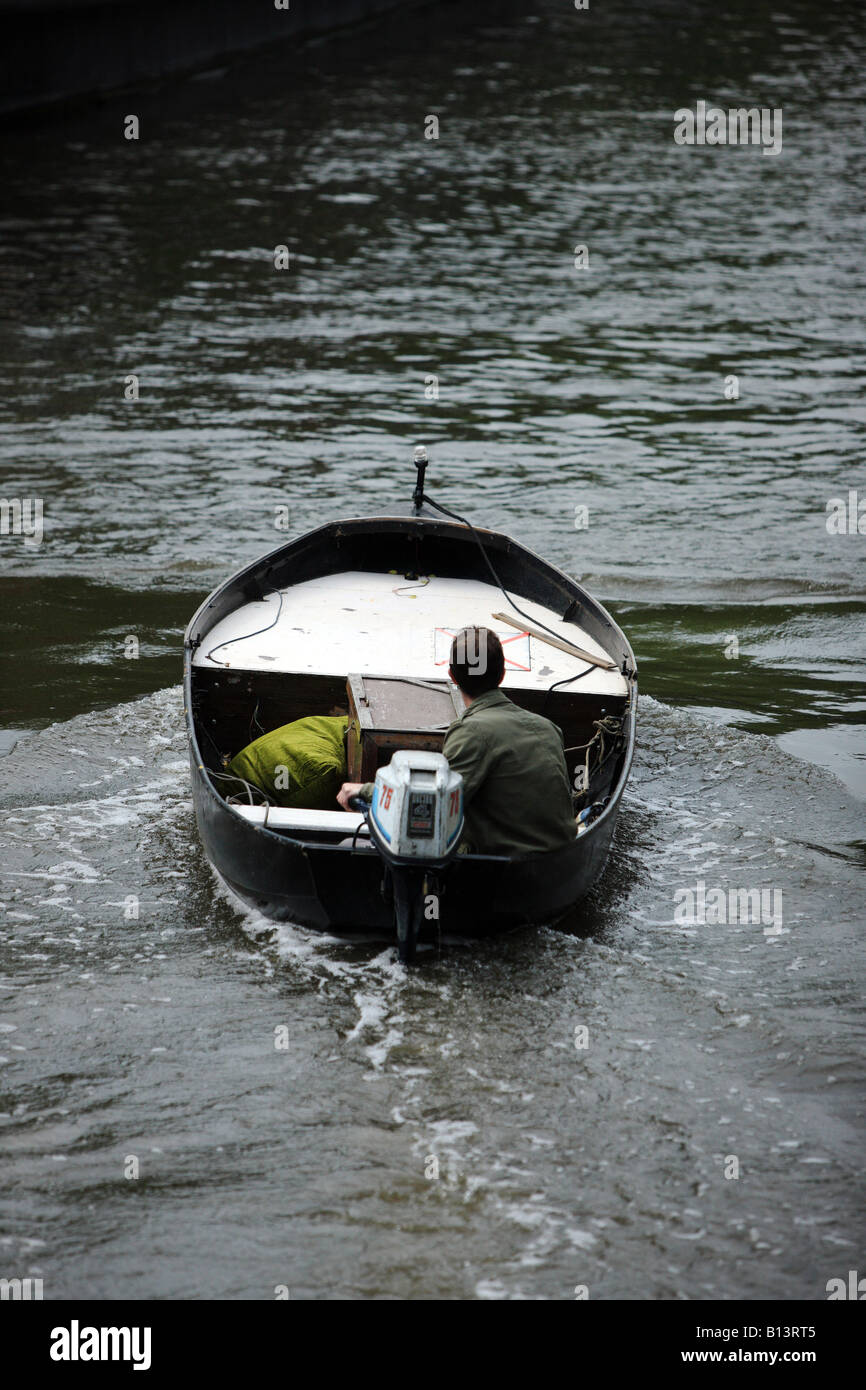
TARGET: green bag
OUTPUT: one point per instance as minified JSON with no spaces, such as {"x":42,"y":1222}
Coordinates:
{"x":300,"y":764}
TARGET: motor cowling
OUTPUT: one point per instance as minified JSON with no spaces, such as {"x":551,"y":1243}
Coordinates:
{"x":416,"y":814}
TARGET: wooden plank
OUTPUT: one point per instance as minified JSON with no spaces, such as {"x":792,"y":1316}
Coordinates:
{"x":551,"y":641}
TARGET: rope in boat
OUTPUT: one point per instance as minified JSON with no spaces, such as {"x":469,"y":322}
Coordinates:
{"x":609,"y":725}
{"x":250,"y":786}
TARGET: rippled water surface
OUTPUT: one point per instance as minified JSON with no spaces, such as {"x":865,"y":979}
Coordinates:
{"x":153,"y":1035}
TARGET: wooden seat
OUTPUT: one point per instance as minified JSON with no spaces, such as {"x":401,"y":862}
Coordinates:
{"x":298,"y":818}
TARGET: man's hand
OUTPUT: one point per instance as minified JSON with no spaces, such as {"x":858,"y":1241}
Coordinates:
{"x":348,"y":789}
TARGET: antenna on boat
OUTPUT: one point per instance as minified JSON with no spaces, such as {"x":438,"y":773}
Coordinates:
{"x":421,"y":465}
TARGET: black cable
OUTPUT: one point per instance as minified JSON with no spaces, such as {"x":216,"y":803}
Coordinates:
{"x":568,"y":681}
{"x":223,"y":758}
{"x":245,"y":635}
{"x":593,"y":665}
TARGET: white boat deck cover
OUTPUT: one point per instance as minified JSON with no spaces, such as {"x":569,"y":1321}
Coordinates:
{"x":384,"y":624}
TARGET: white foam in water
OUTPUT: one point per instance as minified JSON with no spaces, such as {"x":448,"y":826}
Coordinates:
{"x":313,"y":953}
{"x":371,"y":1010}
{"x":74,"y":870}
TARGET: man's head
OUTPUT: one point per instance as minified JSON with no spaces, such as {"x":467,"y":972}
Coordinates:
{"x":477,"y":661}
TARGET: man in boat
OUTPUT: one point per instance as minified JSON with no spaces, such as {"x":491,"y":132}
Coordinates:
{"x":517,"y":797}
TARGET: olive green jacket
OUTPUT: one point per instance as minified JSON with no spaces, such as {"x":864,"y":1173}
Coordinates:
{"x":515,"y":782}
{"x":516,"y":791}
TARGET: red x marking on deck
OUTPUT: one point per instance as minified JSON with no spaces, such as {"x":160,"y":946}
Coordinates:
{"x":509,"y":661}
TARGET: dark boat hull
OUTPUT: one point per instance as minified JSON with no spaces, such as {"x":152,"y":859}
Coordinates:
{"x":332,"y":890}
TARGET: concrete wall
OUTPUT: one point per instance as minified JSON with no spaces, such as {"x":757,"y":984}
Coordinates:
{"x":57,"y":49}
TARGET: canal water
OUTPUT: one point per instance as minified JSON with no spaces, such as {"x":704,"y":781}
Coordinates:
{"x":667,"y":1104}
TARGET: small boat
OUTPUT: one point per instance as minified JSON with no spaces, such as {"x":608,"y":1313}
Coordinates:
{"x":356,"y":618}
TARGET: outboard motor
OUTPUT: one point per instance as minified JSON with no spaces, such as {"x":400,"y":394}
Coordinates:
{"x":415,"y":820}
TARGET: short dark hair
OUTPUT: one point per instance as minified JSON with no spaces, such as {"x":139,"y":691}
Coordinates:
{"x":477,"y":660}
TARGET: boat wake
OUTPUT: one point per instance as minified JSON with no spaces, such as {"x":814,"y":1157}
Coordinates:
{"x":547,"y":1097}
